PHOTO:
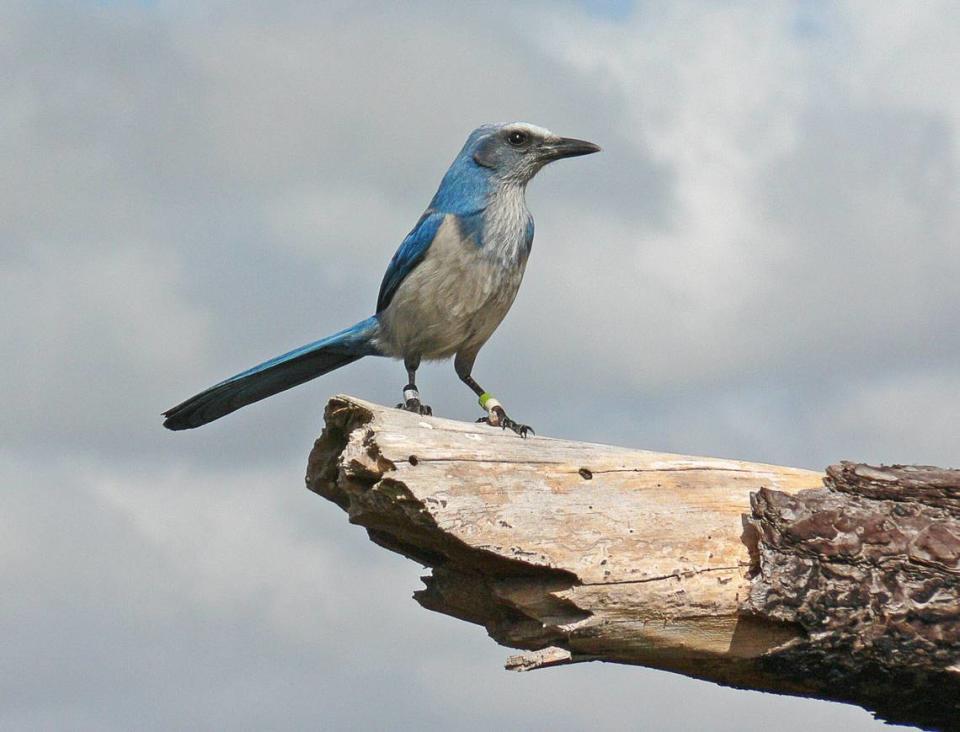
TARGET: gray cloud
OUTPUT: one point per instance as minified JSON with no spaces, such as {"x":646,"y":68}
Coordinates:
{"x":762,"y":264}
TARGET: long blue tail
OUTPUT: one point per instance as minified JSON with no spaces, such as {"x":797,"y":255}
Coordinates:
{"x":275,"y":375}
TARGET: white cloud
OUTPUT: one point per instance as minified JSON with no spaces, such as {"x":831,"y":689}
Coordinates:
{"x":96,"y":332}
{"x":808,"y":216}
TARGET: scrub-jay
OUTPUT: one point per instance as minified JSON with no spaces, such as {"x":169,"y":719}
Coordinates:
{"x":447,"y":288}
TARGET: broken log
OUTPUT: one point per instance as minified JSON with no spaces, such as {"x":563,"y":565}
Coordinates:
{"x":842,"y":587}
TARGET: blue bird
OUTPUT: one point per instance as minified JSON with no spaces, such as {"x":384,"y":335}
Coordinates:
{"x":447,"y":288}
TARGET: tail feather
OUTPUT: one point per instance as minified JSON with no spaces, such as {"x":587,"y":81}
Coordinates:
{"x":273,"y":376}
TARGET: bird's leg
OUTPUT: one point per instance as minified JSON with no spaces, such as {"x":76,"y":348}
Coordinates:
{"x":411,"y":395}
{"x":496,"y":414}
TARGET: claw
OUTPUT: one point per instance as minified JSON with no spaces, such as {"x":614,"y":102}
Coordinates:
{"x":521,"y":429}
{"x":498,"y":418}
{"x":414,"y":405}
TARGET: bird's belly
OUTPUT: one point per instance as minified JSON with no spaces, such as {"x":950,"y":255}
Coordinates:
{"x":452,"y":301}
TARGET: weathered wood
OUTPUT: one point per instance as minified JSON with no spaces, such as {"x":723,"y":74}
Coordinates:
{"x":574,"y":552}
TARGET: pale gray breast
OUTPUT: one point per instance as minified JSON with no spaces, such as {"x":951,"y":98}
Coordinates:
{"x":457,"y":296}
{"x":505,"y":227}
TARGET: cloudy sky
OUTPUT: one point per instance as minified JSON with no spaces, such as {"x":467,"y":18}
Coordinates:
{"x":762,"y":264}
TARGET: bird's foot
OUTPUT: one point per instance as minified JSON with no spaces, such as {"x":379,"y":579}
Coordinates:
{"x":414,"y":405}
{"x":411,"y":402}
{"x":497,"y":417}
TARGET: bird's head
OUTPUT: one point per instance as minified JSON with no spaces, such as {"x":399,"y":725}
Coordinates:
{"x":517,"y":151}
{"x":500,"y":154}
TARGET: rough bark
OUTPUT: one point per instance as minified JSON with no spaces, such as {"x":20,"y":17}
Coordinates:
{"x":870,"y":568}
{"x":745,"y":574}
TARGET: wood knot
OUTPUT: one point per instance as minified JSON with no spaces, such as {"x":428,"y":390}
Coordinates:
{"x":413,"y":459}
{"x":585,"y":473}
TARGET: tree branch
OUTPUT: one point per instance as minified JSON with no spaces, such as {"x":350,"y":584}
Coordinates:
{"x":741,"y":573}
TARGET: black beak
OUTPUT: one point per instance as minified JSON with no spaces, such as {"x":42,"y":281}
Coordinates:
{"x":567,"y":147}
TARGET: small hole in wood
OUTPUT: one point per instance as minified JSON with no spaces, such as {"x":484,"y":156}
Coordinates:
{"x":585,"y":474}
{"x":413,"y":459}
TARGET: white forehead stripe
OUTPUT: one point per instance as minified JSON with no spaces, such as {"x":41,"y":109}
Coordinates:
{"x":532,"y":130}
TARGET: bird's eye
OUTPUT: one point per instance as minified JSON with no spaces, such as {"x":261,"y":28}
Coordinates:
{"x":517,"y":138}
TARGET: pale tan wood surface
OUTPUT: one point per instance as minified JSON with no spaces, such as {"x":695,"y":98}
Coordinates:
{"x":590,"y":551}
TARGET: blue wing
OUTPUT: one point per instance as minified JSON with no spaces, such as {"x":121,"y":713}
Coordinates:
{"x":410,"y":253}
